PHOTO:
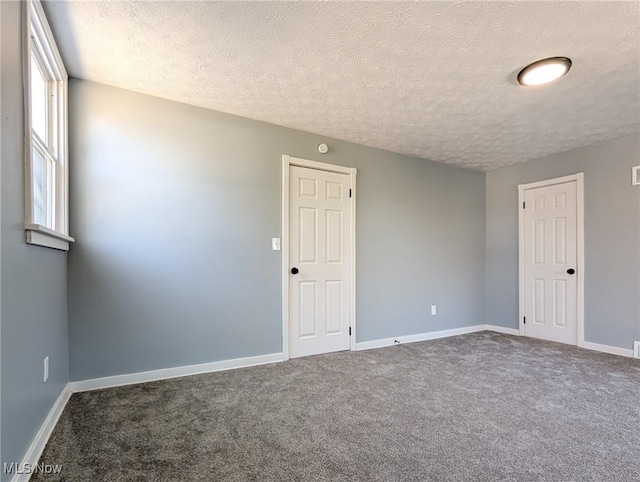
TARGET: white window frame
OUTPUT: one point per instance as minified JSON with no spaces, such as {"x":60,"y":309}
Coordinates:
{"x":40,"y":42}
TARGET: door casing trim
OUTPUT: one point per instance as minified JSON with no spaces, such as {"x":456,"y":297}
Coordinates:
{"x":287,"y":162}
{"x":579,"y":180}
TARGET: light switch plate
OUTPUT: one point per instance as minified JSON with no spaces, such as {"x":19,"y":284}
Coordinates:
{"x":434,"y":310}
{"x":635,"y":175}
{"x":275,"y":244}
{"x":46,"y":369}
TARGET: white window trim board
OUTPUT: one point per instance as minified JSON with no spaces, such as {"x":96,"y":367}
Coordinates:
{"x":579,"y":180}
{"x":287,"y":162}
{"x":36,"y":234}
{"x":48,"y":238}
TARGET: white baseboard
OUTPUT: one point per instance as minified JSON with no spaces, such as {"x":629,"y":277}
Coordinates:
{"x":34,"y":452}
{"x":367,"y":345}
{"x":163,"y":374}
{"x":612,"y":350}
{"x":502,"y":329}
{"x":42,"y":437}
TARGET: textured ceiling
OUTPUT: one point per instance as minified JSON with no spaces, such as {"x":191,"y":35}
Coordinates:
{"x":430,"y":79}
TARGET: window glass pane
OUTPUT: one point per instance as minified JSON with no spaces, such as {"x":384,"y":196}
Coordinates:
{"x":38,"y":101}
{"x":40,"y":189}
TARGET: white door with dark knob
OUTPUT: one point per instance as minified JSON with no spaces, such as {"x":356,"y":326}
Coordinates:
{"x":319,"y":260}
{"x":550,"y":262}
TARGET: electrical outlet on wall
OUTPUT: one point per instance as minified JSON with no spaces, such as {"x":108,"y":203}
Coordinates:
{"x":434,"y":310}
{"x":46,"y":368}
{"x":636,"y":349}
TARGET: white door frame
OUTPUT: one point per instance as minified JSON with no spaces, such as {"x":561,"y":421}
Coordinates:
{"x":287,"y":162}
{"x":579,"y":179}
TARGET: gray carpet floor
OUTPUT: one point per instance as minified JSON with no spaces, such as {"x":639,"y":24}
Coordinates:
{"x":482,"y":406}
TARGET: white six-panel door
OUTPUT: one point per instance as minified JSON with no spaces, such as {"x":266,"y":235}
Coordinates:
{"x":550,"y":262}
{"x":319,"y":234}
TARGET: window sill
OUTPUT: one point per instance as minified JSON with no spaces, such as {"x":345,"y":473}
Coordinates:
{"x":41,"y":236}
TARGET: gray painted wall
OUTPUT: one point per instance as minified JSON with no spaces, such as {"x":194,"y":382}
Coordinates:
{"x":34,"y":279}
{"x":174,"y":207}
{"x":612,"y":238}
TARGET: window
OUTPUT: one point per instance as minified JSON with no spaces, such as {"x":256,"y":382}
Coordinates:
{"x":46,"y":130}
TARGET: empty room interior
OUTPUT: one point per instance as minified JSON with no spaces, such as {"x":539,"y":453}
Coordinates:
{"x":351,"y":241}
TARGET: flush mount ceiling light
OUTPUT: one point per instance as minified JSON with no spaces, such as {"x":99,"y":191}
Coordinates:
{"x":544,"y":71}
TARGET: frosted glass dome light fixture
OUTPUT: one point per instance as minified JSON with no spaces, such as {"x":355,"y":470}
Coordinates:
{"x":544,"y":71}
